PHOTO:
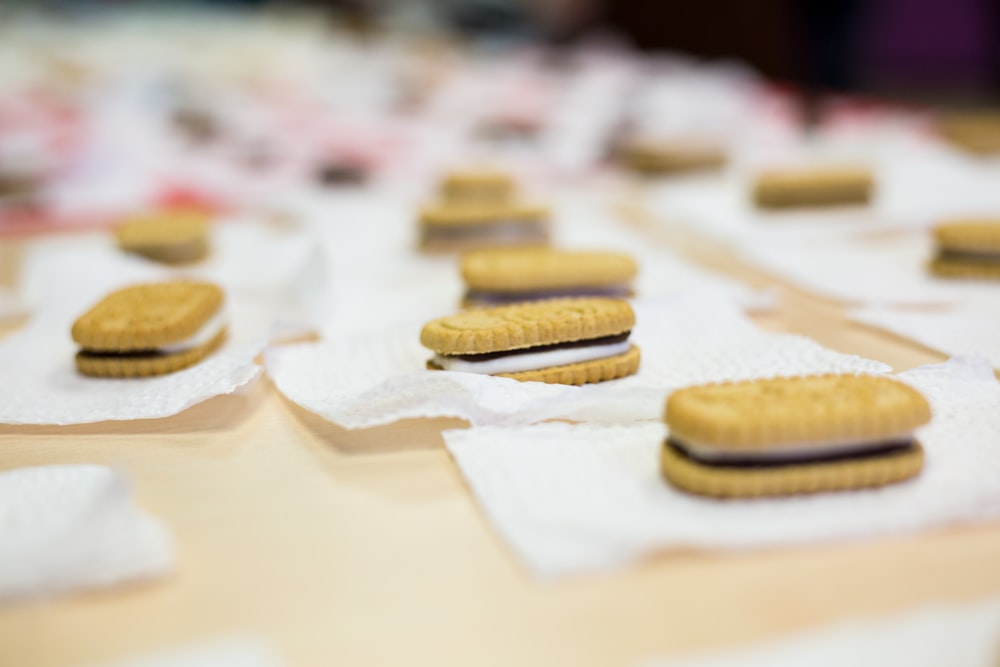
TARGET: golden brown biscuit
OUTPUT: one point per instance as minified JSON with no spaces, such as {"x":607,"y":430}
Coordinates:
{"x":477,"y":185}
{"x":571,"y":341}
{"x":172,"y":237}
{"x":793,"y":435}
{"x":508,"y":275}
{"x":672,"y":157}
{"x":150,"y":329}
{"x":824,"y":186}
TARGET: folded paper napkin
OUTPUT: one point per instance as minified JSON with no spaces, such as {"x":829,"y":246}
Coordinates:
{"x":368,"y":380}
{"x":967,"y":635}
{"x":573,"y":498}
{"x":239,"y":651}
{"x":969,"y":328}
{"x":74,"y":527}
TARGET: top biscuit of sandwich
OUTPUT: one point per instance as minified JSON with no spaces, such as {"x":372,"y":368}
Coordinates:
{"x":450,"y":214}
{"x":969,"y":235}
{"x":526,"y":325}
{"x":539,"y":269}
{"x":148,"y":316}
{"x":830,"y":184}
{"x":787,"y":412}
{"x":477,"y":184}
{"x":169,"y":236}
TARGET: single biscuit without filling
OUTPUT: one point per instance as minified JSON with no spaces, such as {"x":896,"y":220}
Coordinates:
{"x":568,"y":341}
{"x":967,"y":249}
{"x":172,"y":237}
{"x":477,"y":185}
{"x":975,"y":132}
{"x":793,"y":435}
{"x":497,"y":276}
{"x":447,"y":227}
{"x":822,"y":186}
{"x":150,"y":329}
{"x":672,"y":157}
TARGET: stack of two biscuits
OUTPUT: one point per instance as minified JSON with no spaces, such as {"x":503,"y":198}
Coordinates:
{"x":479,"y":208}
{"x":542,"y":315}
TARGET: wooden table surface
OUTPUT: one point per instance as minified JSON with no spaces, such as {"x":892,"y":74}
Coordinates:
{"x":366,"y":548}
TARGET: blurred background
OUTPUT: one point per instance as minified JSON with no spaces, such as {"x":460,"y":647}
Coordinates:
{"x":920,"y":50}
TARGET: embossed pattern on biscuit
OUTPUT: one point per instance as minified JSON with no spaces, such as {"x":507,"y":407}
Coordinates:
{"x":527,"y":325}
{"x":148,"y":316}
{"x":515,"y":270}
{"x":791,"y":411}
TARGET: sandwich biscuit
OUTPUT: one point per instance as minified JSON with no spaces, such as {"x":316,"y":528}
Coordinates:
{"x":447,"y":227}
{"x":967,"y":249}
{"x":150,"y":329}
{"x":823,"y":186}
{"x":786,"y":436}
{"x":172,"y":237}
{"x":565,"y":341}
{"x":510,"y":275}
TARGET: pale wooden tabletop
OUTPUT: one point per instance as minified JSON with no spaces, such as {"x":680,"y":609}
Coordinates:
{"x":366,"y":548}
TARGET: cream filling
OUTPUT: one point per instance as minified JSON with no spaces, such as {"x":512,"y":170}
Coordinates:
{"x":799,"y":451}
{"x":530,"y":361}
{"x":207,"y":332}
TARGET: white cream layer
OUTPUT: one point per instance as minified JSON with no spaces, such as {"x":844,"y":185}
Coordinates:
{"x":530,"y":361}
{"x":789,"y":452}
{"x":207,"y":332}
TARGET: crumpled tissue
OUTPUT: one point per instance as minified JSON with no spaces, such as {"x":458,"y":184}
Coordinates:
{"x":74,"y":527}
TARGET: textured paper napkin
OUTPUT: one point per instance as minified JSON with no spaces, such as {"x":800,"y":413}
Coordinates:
{"x":380,"y":377}
{"x":917,"y":182}
{"x":969,"y":328}
{"x":74,"y":527}
{"x":864,"y":267}
{"x":575,"y":498}
{"x":265,"y":272}
{"x":966,"y":635}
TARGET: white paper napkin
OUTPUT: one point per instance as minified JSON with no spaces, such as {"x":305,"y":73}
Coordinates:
{"x":380,"y":377}
{"x":574,"y":498}
{"x":864,"y":267}
{"x":74,"y":527}
{"x":917,"y":182}
{"x":240,"y":651}
{"x":970,"y":328}
{"x":269,"y":278}
{"x":966,"y":635}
